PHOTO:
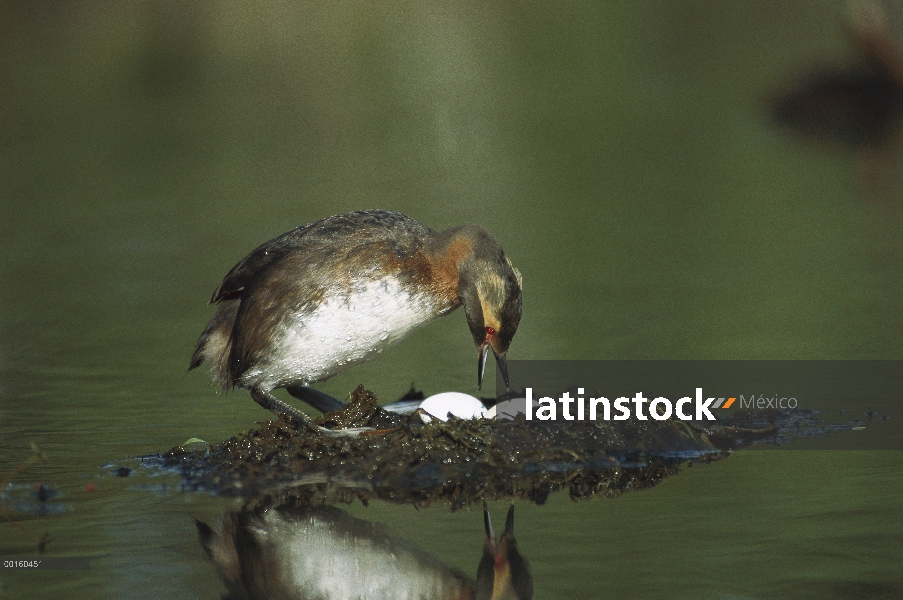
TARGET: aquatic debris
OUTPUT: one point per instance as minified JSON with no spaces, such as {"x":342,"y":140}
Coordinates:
{"x":25,"y":504}
{"x":776,"y":427}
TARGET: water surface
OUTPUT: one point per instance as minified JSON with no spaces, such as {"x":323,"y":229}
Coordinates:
{"x":619,"y":153}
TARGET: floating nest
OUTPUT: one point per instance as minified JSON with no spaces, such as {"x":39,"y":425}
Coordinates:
{"x":403,"y":460}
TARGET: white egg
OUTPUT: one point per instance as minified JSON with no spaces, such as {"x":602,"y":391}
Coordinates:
{"x":459,"y":405}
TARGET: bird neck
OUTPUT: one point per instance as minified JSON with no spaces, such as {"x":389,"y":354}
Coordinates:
{"x":451,"y":253}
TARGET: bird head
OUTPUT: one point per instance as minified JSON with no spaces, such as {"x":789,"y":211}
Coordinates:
{"x":490,"y":290}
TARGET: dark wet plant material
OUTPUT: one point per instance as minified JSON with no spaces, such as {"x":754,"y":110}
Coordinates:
{"x":403,"y":460}
{"x":750,"y":427}
{"x":406,"y":461}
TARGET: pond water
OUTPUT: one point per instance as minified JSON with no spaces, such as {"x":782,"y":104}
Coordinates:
{"x":620,"y":154}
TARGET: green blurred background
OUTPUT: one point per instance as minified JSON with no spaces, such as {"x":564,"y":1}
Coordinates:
{"x":619,"y":151}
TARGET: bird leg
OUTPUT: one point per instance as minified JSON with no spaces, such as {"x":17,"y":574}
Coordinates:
{"x":322,"y":402}
{"x":280,"y":408}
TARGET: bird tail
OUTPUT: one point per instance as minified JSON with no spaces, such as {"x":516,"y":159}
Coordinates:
{"x":215,"y":344}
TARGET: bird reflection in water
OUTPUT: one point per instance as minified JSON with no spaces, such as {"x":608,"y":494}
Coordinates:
{"x":503,"y":572}
{"x":322,"y":552}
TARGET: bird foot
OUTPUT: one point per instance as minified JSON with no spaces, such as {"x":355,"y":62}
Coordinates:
{"x":322,"y":402}
{"x":280,"y":408}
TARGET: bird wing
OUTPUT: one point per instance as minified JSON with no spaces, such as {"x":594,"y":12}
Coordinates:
{"x":289,"y":276}
{"x":271,"y":298}
{"x":258,"y":260}
{"x":358,"y":228}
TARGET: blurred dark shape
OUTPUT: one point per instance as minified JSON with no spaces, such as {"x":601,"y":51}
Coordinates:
{"x":859,"y":105}
{"x":856,"y":108}
{"x":322,"y":552}
{"x":44,"y":493}
{"x":30,"y":499}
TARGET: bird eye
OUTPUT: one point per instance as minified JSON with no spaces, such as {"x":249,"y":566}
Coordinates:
{"x":490,"y":332}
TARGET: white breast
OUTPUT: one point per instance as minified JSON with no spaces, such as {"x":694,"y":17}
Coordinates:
{"x":344,"y":330}
{"x":324,"y":563}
